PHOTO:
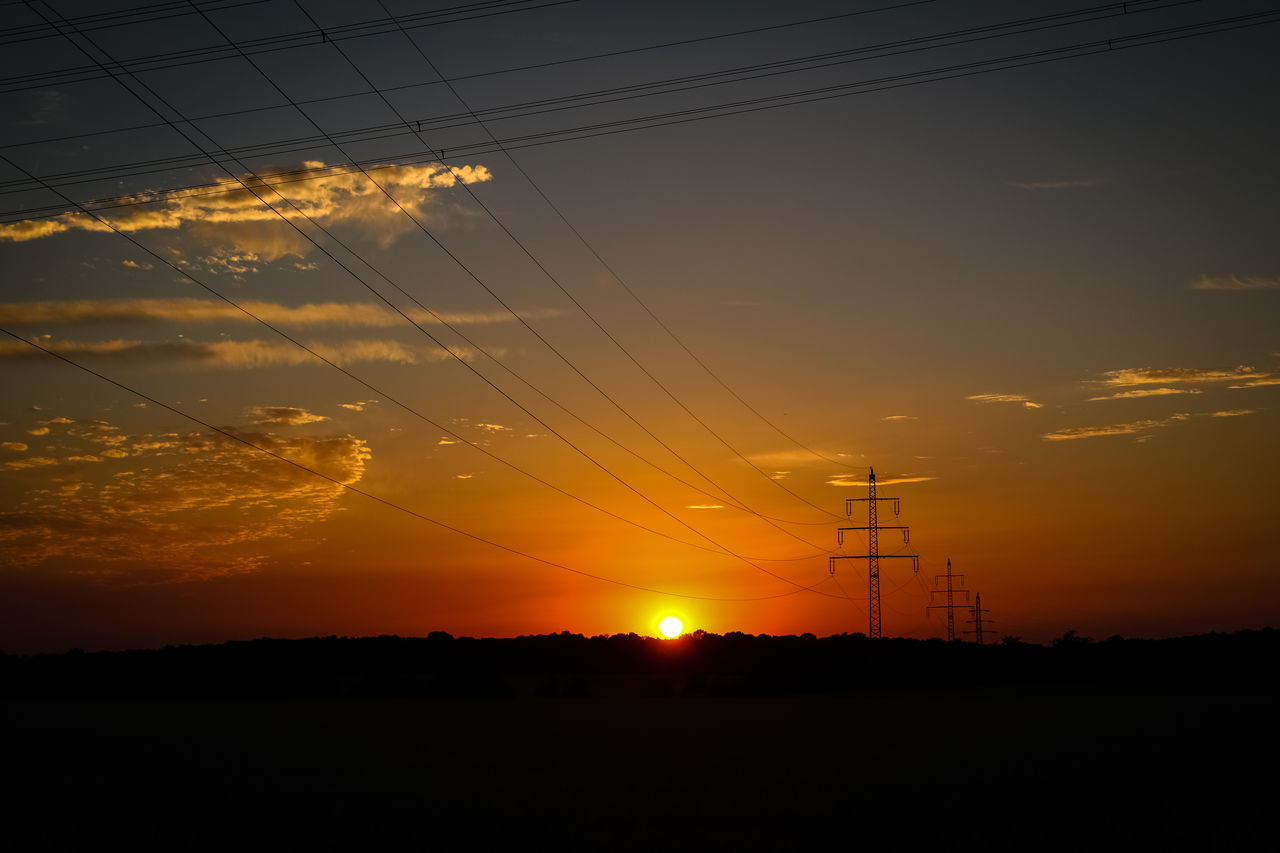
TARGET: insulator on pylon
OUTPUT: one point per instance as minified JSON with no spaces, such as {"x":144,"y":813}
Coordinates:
{"x":897,"y":507}
{"x":831,"y":566}
{"x":839,"y":537}
{"x":906,"y":536}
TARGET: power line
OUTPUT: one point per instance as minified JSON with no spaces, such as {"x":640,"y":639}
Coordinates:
{"x":118,"y":18}
{"x":555,"y":350}
{"x":720,"y":549}
{"x":594,"y":320}
{"x":592,"y":250}
{"x":461,"y":77}
{"x":407,"y":126}
{"x":269,"y":44}
{"x":678,"y":117}
{"x":312,"y":37}
{"x":550,"y":346}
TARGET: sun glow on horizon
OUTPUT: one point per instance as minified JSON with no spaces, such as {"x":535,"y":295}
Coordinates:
{"x":671,"y":627}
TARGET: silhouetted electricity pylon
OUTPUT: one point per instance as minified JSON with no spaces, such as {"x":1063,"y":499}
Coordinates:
{"x":950,"y":606}
{"x":977,"y":619}
{"x":873,"y":554}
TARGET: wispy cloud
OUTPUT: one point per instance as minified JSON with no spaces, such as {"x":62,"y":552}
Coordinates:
{"x":705,"y":506}
{"x":1167,"y":375}
{"x":1146,"y":392}
{"x":186,"y":310}
{"x":845,"y":480}
{"x":1235,"y":282}
{"x":30,"y":462}
{"x":1004,"y":398}
{"x":794,"y":458}
{"x":283,"y":416}
{"x":358,"y":407}
{"x":1260,"y":382}
{"x":1142,"y":428}
{"x":1131,"y":428}
{"x":899,"y":418}
{"x":236,"y":354}
{"x":15,"y":446}
{"x":227,"y":214}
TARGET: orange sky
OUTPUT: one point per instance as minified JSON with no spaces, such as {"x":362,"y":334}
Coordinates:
{"x":1042,"y":304}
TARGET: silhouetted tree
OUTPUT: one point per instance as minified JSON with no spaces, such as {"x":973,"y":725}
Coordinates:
{"x":1071,"y":640}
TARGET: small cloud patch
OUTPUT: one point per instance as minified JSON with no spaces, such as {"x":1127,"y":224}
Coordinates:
{"x":283,"y":416}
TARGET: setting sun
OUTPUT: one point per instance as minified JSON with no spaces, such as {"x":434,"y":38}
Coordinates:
{"x":671,"y":627}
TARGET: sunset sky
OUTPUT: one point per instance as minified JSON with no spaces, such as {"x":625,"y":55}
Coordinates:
{"x":608,"y":326}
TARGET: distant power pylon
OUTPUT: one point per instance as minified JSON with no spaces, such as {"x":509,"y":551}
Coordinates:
{"x":977,"y":619}
{"x":950,"y":606}
{"x":873,"y":554}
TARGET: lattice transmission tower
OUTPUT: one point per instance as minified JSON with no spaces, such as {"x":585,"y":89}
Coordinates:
{"x":951,"y":592}
{"x":977,"y":621}
{"x":873,"y":555}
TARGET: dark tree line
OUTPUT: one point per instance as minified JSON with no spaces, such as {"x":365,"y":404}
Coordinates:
{"x":699,"y":664}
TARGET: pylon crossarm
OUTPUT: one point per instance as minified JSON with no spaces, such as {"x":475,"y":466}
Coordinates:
{"x":906,"y":531}
{"x":880,"y":556}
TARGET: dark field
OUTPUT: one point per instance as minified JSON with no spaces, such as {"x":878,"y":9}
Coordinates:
{"x":1163,"y":764}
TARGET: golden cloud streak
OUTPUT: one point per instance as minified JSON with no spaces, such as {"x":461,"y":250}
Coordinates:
{"x":845,"y":480}
{"x":335,"y":195}
{"x":283,"y":416}
{"x":238,"y":354}
{"x":1146,"y":392}
{"x":1233,"y":282}
{"x":1164,"y":375}
{"x":1073,"y":433}
{"x":1004,"y":398}
{"x":187,"y":310}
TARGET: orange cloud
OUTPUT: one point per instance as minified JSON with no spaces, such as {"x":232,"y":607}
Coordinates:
{"x":187,"y":310}
{"x":844,"y":480}
{"x":1146,"y":392}
{"x":188,"y":505}
{"x":1072,"y":433}
{"x":1004,"y":398}
{"x":246,"y":213}
{"x":1233,"y":282}
{"x":283,"y":416}
{"x":238,"y":354}
{"x":1163,"y":375}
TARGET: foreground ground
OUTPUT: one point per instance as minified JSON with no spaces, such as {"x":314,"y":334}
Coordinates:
{"x":1126,"y":765}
